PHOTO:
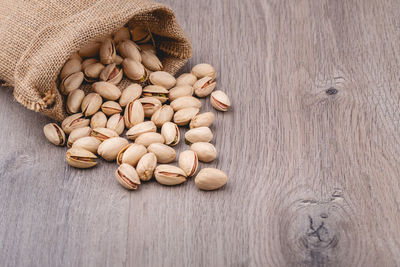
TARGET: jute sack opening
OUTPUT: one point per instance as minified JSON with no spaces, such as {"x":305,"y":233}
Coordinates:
{"x":38,"y":36}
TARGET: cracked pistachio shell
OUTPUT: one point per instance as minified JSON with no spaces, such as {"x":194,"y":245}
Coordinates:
{"x":162,"y":115}
{"x":92,"y":72}
{"x":146,"y":166}
{"x":169,"y":175}
{"x":162,"y":78}
{"x":78,"y":133}
{"x":201,"y":134}
{"x":128,"y":49}
{"x":138,"y":129}
{"x":122,"y":34}
{"x":80,"y":158}
{"x":205,"y":119}
{"x":71,"y":82}
{"x":90,"y":50}
{"x":186,"y":79}
{"x":183,"y":116}
{"x":111,"y":74}
{"x":204,"y":86}
{"x":150,"y":105}
{"x":134,"y":114}
{"x":131,"y":154}
{"x":171,"y":134}
{"x":147,"y":48}
{"x":73,"y":122}
{"x":110,"y":108}
{"x":110,"y":148}
{"x":127,"y":176}
{"x":185,"y":102}
{"x":71,"y":66}
{"x":118,"y":60}
{"x":88,"y":142}
{"x":210,"y":179}
{"x":220,"y":101}
{"x":74,"y":101}
{"x":130,"y":93}
{"x":91,"y":104}
{"x":88,"y":62}
{"x":134,"y":70}
{"x":151,"y":61}
{"x":98,"y":120}
{"x":140,"y":35}
{"x":203,"y":70}
{"x":107,"y":90}
{"x":103,"y":133}
{"x":156,"y":91}
{"x":149,"y":138}
{"x":164,"y":153}
{"x":107,"y":51}
{"x":188,"y":162}
{"x":206,"y":152}
{"x":116,"y":123}
{"x":179,"y":91}
{"x":54,"y":134}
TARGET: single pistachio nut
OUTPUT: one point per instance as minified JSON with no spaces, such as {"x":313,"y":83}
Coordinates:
{"x":107,"y":90}
{"x":210,"y":179}
{"x":54,"y":134}
{"x":151,"y":61}
{"x":71,"y":66}
{"x":205,"y":119}
{"x":204,"y":86}
{"x":179,"y":91}
{"x":78,"y":133}
{"x":110,"y":148}
{"x":146,"y":166}
{"x":92,"y":72}
{"x":74,"y":101}
{"x":134,"y":114}
{"x":150,"y":105}
{"x":171,"y":134}
{"x":116,"y":123}
{"x":122,"y":34}
{"x":169,"y":175}
{"x":184,"y":116}
{"x":76,"y":56}
{"x":149,"y":138}
{"x":103,"y":133}
{"x":203,"y":70}
{"x":164,"y":153}
{"x":71,"y":82}
{"x":111,"y":74}
{"x":90,"y":50}
{"x":201,"y":134}
{"x":185,"y":102}
{"x":134,"y":70}
{"x":220,"y":101}
{"x":128,"y":49}
{"x":127,"y":176}
{"x":188,"y":162}
{"x":138,"y":129}
{"x":130,"y":93}
{"x":98,"y":120}
{"x":111,"y":107}
{"x":73,"y":122}
{"x":147,"y":48}
{"x":88,"y":62}
{"x":118,"y":60}
{"x":107,"y":51}
{"x":131,"y":154}
{"x":206,"y":152}
{"x":163,"y":115}
{"x":140,"y":35}
{"x":80,"y":158}
{"x":88,"y":142}
{"x":162,"y":78}
{"x":91,"y":104}
{"x":156,"y":91}
{"x":186,"y":79}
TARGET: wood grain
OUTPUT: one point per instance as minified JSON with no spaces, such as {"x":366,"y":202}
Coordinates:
{"x":311,"y":147}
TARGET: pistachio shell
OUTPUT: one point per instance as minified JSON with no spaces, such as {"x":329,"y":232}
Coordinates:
{"x":116,"y":123}
{"x":131,"y":154}
{"x":162,"y":115}
{"x":71,"y":82}
{"x":206,"y":152}
{"x":146,"y":166}
{"x":150,"y":105}
{"x":151,"y":61}
{"x":164,"y":153}
{"x":149,"y":138}
{"x":76,"y":56}
{"x":122,"y":34}
{"x":134,"y":70}
{"x":134,"y":114}
{"x":130,"y":93}
{"x":220,"y":101}
{"x":203,"y":70}
{"x":73,"y":122}
{"x":163,"y":79}
{"x":140,"y":35}
{"x":128,"y":49}
{"x":179,"y":91}
{"x":98,"y":120}
{"x":183,"y":116}
{"x":107,"y":90}
{"x":118,"y":60}
{"x":127,"y":176}
{"x":138,"y":129}
{"x":111,"y":74}
{"x":88,"y":142}
{"x":88,"y":62}
{"x":80,"y":158}
{"x":186,"y":79}
{"x":171,"y":134}
{"x":169,"y":175}
{"x":70,"y":67}
{"x":90,"y":50}
{"x":110,"y":108}
{"x":54,"y":134}
{"x":204,"y":119}
{"x":103,"y":133}
{"x":156,"y":91}
{"x":188,"y":162}
{"x":74,"y":101}
{"x":91,"y":104}
{"x":107,"y":51}
{"x":78,"y":133}
{"x":204,"y":86}
{"x":210,"y":179}
{"x":185,"y":102}
{"x":110,"y":148}
{"x":201,"y":134}
{"x":92,"y":72}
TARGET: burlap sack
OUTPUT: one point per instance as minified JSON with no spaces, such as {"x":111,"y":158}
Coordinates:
{"x":38,"y":36}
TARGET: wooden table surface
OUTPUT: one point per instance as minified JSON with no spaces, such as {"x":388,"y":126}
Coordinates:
{"x":311,"y":147}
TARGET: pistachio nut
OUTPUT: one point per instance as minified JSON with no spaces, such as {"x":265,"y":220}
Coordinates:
{"x":110,"y":147}
{"x":78,"y":133}
{"x":151,"y":61}
{"x":206,"y":152}
{"x":146,"y":166}
{"x":162,"y":115}
{"x":88,"y":62}
{"x":128,"y":49}
{"x":134,"y":114}
{"x":54,"y":134}
{"x":203,"y":70}
{"x":179,"y":91}
{"x":138,"y":129}
{"x":169,"y":175}
{"x":164,"y":153}
{"x":205,"y":119}
{"x":118,"y":60}
{"x":149,"y":138}
{"x":204,"y":86}
{"x":111,"y":74}
{"x":210,"y":179}
{"x":171,"y":134}
{"x":98,"y":120}
{"x":107,"y":51}
{"x":80,"y":158}
{"x":88,"y":142}
{"x":76,"y":56}
{"x":188,"y":162}
{"x":185,"y":102}
{"x":134,"y":70}
{"x":150,"y":105}
{"x":91,"y":104}
{"x":186,"y":79}
{"x":201,"y":134}
{"x":71,"y":82}
{"x":122,"y":34}
{"x":162,"y":78}
{"x":103,"y":133}
{"x":111,"y":107}
{"x":131,"y":154}
{"x":148,"y":48}
{"x":130,"y":93}
{"x":184,"y":116}
{"x":140,"y":35}
{"x":92,"y":72}
{"x":156,"y":91}
{"x":127,"y":176}
{"x":71,"y":66}
{"x":107,"y":90}
{"x":116,"y":123}
{"x":220,"y":101}
{"x":90,"y":50}
{"x":73,"y":122}
{"x":74,"y":101}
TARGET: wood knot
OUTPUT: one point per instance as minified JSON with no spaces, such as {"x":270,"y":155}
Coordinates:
{"x":331,"y":91}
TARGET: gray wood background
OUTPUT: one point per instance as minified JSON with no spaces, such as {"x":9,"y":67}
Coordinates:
{"x":313,"y":173}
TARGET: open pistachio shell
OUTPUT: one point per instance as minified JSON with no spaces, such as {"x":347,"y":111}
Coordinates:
{"x":54,"y":134}
{"x":80,"y":158}
{"x":127,"y":176}
{"x":169,"y":175}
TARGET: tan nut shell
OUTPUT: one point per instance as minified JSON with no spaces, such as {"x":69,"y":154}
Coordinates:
{"x":80,"y":158}
{"x":156,"y":91}
{"x":122,"y":34}
{"x":78,"y":133}
{"x":71,"y":82}
{"x":179,"y":91}
{"x":204,"y":86}
{"x":103,"y":133}
{"x":146,"y":166}
{"x":71,"y":66}
{"x":107,"y":51}
{"x":150,"y":105}
{"x":130,"y":93}
{"x":147,"y":139}
{"x":131,"y":154}
{"x":164,"y":153}
{"x":205,"y":119}
{"x":169,"y":175}
{"x":140,"y":35}
{"x":203,"y":70}
{"x":185,"y":102}
{"x":91,"y":104}
{"x":210,"y":179}
{"x":138,"y":129}
{"x":111,"y":74}
{"x":128,"y":49}
{"x":92,"y":72}
{"x":90,"y":50}
{"x":110,"y":108}
{"x":110,"y":147}
{"x":116,"y":123}
{"x":163,"y":115}
{"x":163,"y":79}
{"x":151,"y":61}
{"x":107,"y":90}
{"x":220,"y":101}
{"x":88,"y":62}
{"x":54,"y":134}
{"x":186,"y":79}
{"x":98,"y":120}
{"x":188,"y":162}
{"x":171,"y":134}
{"x":74,"y":101}
{"x":183,"y":116}
{"x":201,"y":134}
{"x":73,"y":122}
{"x":127,"y":176}
{"x":206,"y":152}
{"x":134,"y":70}
{"x":134,"y":114}
{"x":88,"y":142}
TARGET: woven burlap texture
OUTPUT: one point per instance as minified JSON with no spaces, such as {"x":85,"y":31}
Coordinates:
{"x":38,"y":36}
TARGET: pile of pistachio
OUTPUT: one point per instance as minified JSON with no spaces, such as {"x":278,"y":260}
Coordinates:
{"x":151,"y":114}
